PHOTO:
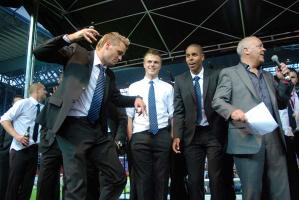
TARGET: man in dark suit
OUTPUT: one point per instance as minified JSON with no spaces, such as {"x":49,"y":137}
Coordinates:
{"x":260,"y":159}
{"x":198,"y":128}
{"x":76,"y":112}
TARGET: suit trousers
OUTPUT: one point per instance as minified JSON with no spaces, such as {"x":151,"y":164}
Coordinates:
{"x":264,"y":172}
{"x":204,"y":144}
{"x":150,"y":157}
{"x":48,"y":184}
{"x":293,"y":170}
{"x":23,"y":165}
{"x":178,"y":174}
{"x":5,"y":142}
{"x":80,"y":141}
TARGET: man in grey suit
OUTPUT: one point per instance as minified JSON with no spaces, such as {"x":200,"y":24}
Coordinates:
{"x":260,"y":160}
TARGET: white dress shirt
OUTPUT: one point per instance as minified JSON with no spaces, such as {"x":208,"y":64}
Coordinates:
{"x":81,"y":106}
{"x":204,"y":120}
{"x":164,"y":103}
{"x":22,"y":115}
{"x":284,"y":116}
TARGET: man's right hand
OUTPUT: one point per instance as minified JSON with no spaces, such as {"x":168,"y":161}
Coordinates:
{"x":23,"y":140}
{"x":89,"y":34}
{"x":176,"y":145}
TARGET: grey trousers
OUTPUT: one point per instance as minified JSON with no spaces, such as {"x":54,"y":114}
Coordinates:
{"x":264,"y":172}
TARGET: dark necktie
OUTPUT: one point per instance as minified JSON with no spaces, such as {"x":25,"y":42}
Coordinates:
{"x":36,"y":125}
{"x":152,"y":109}
{"x":292,"y":119}
{"x":95,"y":106}
{"x":198,"y":99}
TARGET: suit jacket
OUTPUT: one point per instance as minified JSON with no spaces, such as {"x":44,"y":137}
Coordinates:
{"x":185,"y":114}
{"x":78,"y":63}
{"x":117,"y":122}
{"x":235,"y":91}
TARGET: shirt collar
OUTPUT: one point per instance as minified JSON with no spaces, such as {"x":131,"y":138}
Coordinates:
{"x":247,"y":67}
{"x":97,"y":61}
{"x":200,"y":74}
{"x":155,"y":80}
{"x":33,"y":100}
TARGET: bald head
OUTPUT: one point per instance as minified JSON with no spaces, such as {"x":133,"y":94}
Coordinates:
{"x":251,"y":51}
{"x":245,"y":43}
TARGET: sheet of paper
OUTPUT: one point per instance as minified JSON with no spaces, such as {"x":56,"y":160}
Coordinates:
{"x":260,"y":120}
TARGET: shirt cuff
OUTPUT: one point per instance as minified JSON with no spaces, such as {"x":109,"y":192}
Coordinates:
{"x":65,"y":38}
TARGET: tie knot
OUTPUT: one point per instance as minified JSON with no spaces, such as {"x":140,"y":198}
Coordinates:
{"x":151,"y":82}
{"x":196,"y":78}
{"x":37,"y":105}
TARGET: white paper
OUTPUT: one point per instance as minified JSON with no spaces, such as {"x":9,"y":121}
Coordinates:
{"x":260,"y":120}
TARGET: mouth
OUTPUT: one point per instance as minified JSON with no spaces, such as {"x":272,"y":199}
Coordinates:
{"x":191,"y":64}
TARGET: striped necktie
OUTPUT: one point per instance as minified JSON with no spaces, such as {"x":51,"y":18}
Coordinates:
{"x":95,"y":106}
{"x":152,"y":109}
{"x":198,"y":99}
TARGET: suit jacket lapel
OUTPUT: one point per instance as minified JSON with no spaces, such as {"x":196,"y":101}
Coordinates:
{"x":90,"y":58}
{"x":189,"y":84}
{"x":107,"y":84}
{"x":205,"y":83}
{"x":241,"y":71}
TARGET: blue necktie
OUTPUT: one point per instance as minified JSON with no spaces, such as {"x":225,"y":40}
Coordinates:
{"x":95,"y":106}
{"x":36,"y":125}
{"x":152,"y":109}
{"x":198,"y":99}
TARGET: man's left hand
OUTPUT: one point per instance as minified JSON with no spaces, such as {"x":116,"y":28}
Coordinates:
{"x":282,"y":71}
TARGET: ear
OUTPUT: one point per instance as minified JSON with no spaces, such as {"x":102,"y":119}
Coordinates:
{"x":203,"y":57}
{"x":107,"y":44}
{"x":246,"y":51}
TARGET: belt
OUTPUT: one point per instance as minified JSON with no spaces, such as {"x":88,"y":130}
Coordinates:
{"x":82,"y":119}
{"x":203,"y":127}
{"x":77,"y":117}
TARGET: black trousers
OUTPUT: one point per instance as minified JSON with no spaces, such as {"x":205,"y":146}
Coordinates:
{"x":178,"y":175}
{"x":48,"y":184}
{"x":293,"y":170}
{"x":204,"y":145}
{"x":23,"y":164}
{"x":80,"y":141}
{"x":150,"y":156}
{"x":5,"y":142}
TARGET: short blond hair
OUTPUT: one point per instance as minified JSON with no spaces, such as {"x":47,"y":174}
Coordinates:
{"x":152,"y":52}
{"x":34,"y":87}
{"x":115,"y":38}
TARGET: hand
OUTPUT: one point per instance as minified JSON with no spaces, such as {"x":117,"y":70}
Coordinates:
{"x":140,"y":106}
{"x":89,"y":34}
{"x":176,"y":145}
{"x":238,"y":115}
{"x":23,"y":140}
{"x":282,"y":71}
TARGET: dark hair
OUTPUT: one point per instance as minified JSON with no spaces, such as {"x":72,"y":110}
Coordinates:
{"x":293,"y":70}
